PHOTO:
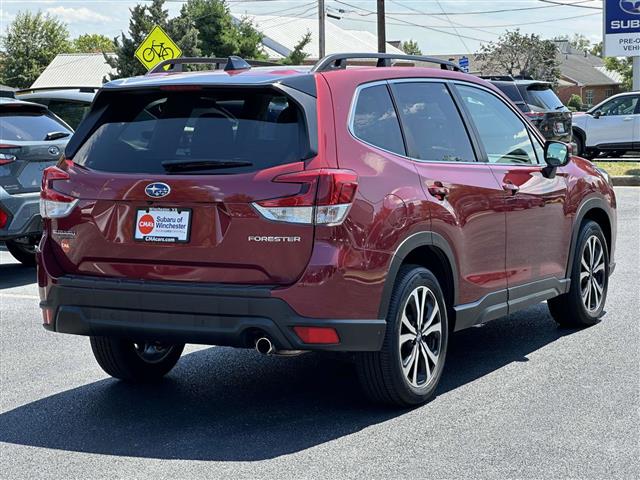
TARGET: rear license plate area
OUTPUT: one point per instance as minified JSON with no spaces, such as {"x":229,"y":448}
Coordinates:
{"x":162,"y":225}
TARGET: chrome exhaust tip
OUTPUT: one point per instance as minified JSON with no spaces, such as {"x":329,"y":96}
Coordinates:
{"x":264,"y":346}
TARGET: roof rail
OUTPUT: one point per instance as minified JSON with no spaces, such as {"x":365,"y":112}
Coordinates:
{"x":338,"y":61}
{"x":230,"y":63}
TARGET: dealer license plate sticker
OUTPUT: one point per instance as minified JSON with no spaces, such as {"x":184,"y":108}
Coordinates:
{"x":162,"y":225}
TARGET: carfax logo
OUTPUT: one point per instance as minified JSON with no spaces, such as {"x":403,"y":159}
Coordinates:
{"x":632,"y":7}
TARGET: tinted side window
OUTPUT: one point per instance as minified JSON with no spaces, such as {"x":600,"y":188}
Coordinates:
{"x":375,"y":120}
{"x":432,"y":125}
{"x":503,"y":133}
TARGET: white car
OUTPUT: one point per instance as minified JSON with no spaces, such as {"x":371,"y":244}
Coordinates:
{"x":612,"y":126}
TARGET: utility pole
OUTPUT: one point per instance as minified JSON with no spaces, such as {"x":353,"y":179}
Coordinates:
{"x":382,"y":35}
{"x":636,"y":74}
{"x":321,"y":34}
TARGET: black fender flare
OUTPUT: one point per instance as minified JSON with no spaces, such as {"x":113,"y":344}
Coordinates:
{"x":409,"y":244}
{"x":586,"y":206}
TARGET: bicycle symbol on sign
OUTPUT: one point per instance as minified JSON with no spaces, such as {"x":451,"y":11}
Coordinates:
{"x":157,"y":50}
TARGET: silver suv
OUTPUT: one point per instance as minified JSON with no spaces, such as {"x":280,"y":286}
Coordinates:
{"x":31,"y":139}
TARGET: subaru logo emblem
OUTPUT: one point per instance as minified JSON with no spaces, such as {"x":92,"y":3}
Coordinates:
{"x":53,"y":150}
{"x":157,"y":190}
{"x":629,"y":6}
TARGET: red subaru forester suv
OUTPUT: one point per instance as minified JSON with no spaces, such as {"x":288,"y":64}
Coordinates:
{"x":371,"y":209}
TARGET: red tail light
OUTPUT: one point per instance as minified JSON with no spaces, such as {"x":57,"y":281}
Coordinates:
{"x":54,"y":204}
{"x":325,"y":335}
{"x":8,"y":153}
{"x":3,"y":219}
{"x":325,"y":198}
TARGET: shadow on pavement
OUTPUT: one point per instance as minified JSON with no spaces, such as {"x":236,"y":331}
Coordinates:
{"x":16,"y":275}
{"x":234,"y":405}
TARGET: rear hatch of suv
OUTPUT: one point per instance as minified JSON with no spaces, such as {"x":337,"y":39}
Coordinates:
{"x":546,"y":110}
{"x":166,"y":181}
{"x":31,"y":139}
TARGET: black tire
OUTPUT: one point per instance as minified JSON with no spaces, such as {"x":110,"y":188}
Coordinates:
{"x":381,"y":373}
{"x":22,"y":252}
{"x":124,"y":359}
{"x":570,"y":310}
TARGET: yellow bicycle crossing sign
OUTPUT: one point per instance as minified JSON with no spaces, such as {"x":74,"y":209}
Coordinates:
{"x":157,"y":47}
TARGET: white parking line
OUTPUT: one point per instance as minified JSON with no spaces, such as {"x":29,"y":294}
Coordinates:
{"x":19,"y":295}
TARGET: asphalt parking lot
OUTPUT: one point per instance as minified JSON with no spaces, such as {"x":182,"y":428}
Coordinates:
{"x":520,"y":398}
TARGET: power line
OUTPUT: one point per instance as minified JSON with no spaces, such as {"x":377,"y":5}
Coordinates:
{"x":417,"y":24}
{"x":482,"y":12}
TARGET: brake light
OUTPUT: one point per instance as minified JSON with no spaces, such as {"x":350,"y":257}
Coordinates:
{"x":325,"y":198}
{"x":8,"y":155}
{"x":55,"y":204}
{"x":3,"y":219}
{"x":325,"y":335}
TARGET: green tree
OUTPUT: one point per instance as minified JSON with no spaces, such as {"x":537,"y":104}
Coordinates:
{"x":575,"y":102}
{"x":596,"y":49}
{"x":520,"y":54}
{"x":623,"y":66}
{"x":297,"y":55}
{"x":410,"y":47}
{"x":143,"y":18}
{"x":31,"y":41}
{"x":93,"y":43}
{"x":219,"y":35}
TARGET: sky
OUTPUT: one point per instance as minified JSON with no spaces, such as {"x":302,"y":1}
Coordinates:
{"x":439,"y":26}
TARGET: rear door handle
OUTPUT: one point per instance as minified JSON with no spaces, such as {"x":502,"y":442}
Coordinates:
{"x":438,"y":190}
{"x":510,"y":187}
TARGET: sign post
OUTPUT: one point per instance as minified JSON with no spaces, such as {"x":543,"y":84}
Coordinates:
{"x":622,"y":33}
{"x":156,"y":48}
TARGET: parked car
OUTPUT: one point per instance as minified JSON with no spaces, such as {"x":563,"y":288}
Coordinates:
{"x":540,"y":104}
{"x":70,"y":104}
{"x":372,"y":210}
{"x":612,"y":126}
{"x":31,"y":139}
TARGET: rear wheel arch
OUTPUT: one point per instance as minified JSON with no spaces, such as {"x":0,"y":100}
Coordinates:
{"x":579,"y":133}
{"x":431,"y":251}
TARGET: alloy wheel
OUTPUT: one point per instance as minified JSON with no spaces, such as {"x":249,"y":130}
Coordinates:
{"x":420,"y":339}
{"x":152,"y":352}
{"x":592,"y":274}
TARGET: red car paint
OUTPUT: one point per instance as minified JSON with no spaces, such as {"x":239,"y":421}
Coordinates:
{"x":506,"y":225}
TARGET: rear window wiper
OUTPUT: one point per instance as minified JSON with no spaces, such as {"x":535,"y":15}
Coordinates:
{"x":56,"y":136}
{"x":182,"y":165}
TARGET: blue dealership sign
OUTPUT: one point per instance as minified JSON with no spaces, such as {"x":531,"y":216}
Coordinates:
{"x":463,"y":63}
{"x":622,"y":28}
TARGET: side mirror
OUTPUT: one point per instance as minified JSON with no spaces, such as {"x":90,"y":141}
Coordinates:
{"x":556,"y":154}
{"x":597,"y":114}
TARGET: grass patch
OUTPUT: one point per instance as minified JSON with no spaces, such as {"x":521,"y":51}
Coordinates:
{"x":616,"y":169}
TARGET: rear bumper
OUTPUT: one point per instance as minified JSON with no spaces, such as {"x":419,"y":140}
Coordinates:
{"x":192,"y":313}
{"x":23,"y":210}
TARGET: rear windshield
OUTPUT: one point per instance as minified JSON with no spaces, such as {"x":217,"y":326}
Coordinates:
{"x":28,"y":126}
{"x":210,"y":130}
{"x":543,"y":97}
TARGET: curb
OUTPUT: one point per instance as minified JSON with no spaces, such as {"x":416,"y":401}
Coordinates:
{"x":626,"y":181}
